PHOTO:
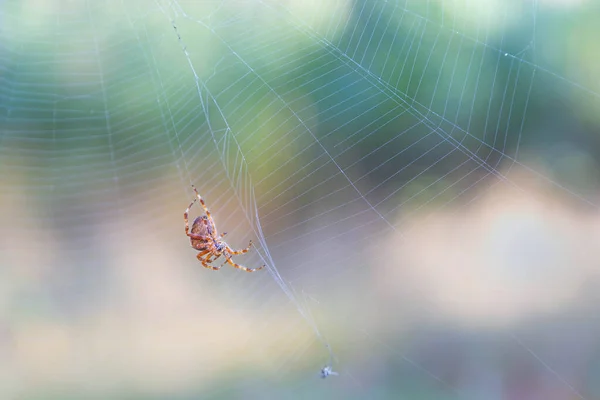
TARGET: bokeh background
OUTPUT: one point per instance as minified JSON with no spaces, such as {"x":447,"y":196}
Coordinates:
{"x":421,"y":178}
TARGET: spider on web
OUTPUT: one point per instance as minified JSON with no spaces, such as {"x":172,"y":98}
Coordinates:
{"x":205,"y":238}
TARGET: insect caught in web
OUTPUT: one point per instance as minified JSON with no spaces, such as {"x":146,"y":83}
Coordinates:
{"x":205,"y":238}
{"x":326,"y":371}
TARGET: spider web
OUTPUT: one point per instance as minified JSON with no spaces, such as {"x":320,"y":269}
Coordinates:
{"x":329,"y":133}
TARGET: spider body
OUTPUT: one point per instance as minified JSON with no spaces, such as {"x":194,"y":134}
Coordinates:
{"x":201,"y":227}
{"x":204,"y":237}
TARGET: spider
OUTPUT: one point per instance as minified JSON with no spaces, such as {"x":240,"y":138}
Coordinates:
{"x":208,"y":242}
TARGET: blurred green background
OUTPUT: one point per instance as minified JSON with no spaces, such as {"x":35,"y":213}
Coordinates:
{"x":425,"y":176}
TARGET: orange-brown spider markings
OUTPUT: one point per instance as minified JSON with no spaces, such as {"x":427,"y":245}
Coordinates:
{"x":205,"y":238}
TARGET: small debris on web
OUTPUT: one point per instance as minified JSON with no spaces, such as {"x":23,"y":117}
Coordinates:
{"x":326,"y":371}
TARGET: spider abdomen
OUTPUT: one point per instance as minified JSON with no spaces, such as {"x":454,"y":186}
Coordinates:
{"x":200,"y":244}
{"x":201,"y":226}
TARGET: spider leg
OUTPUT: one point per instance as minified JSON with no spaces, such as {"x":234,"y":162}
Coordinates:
{"x":205,"y":265}
{"x":185,"y":217}
{"x":202,"y":254}
{"x":238,"y":266}
{"x":212,"y":222}
{"x":209,"y":260}
{"x":206,"y":261}
{"x":234,"y":252}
